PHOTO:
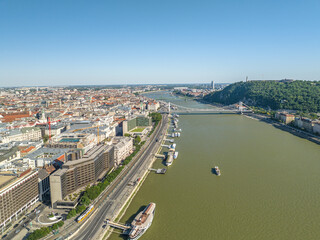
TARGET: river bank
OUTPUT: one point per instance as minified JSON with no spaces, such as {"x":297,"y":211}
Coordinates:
{"x":144,"y":172}
{"x":293,"y":130}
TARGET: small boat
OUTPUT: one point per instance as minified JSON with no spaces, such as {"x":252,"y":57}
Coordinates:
{"x":169,"y":159}
{"x":175,"y":155}
{"x":217,"y":170}
{"x":173,"y":146}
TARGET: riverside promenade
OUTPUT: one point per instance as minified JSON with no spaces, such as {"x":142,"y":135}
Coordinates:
{"x":111,"y":206}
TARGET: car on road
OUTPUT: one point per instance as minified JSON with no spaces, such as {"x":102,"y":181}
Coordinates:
{"x":17,"y":231}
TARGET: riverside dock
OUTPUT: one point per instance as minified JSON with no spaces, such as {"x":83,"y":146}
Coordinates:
{"x":123,"y":227}
{"x":159,"y":171}
{"x":160,"y":155}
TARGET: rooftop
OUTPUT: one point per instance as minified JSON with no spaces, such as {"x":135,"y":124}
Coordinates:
{"x":8,"y":178}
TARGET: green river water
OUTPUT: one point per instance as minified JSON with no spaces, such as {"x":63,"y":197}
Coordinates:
{"x":269,"y":186}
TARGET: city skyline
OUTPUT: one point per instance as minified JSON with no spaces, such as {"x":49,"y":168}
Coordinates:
{"x":139,"y":42}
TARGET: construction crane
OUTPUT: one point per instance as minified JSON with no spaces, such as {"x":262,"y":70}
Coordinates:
{"x":98,"y":136}
{"x":49,"y":124}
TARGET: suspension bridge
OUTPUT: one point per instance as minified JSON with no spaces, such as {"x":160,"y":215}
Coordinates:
{"x":231,"y":109}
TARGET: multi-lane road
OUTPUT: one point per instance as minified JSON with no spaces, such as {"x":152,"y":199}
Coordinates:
{"x":92,"y":228}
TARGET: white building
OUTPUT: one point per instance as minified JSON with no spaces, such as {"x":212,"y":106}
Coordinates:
{"x":123,"y":147}
{"x":153,"y":106}
{"x":25,"y":134}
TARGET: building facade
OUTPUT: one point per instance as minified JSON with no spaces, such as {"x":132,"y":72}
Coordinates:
{"x":18,"y":191}
{"x":80,"y":173}
{"x":130,"y":124}
{"x":123,"y":147}
{"x":285,"y":117}
{"x":316,"y":128}
{"x":25,"y":134}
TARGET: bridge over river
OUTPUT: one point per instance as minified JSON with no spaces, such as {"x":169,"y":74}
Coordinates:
{"x":231,"y":109}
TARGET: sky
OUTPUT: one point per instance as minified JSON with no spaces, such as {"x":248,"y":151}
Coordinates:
{"x":64,"y":42}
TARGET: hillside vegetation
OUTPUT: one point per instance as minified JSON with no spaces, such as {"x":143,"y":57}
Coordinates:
{"x":297,"y":95}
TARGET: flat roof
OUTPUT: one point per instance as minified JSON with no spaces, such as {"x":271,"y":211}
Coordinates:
{"x":69,"y":140}
{"x":6,"y":179}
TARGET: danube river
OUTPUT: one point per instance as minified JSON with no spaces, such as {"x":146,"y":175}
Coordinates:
{"x":269,"y":186}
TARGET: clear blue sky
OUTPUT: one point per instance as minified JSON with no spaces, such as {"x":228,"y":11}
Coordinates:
{"x":55,"y":42}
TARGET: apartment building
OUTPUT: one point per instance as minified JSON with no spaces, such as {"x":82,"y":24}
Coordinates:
{"x":284,"y":117}
{"x":25,"y":134}
{"x":76,"y":174}
{"x":18,"y":191}
{"x":123,"y":147}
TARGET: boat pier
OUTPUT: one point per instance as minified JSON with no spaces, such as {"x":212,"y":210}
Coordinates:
{"x":160,"y":156}
{"x":159,"y":171}
{"x":120,"y":226}
{"x":167,"y":146}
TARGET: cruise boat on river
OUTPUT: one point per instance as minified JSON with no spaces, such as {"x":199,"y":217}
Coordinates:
{"x":142,"y":222}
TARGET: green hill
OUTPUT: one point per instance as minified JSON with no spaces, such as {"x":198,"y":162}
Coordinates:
{"x":297,"y":95}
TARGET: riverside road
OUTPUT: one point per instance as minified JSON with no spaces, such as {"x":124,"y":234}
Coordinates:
{"x":92,"y":229}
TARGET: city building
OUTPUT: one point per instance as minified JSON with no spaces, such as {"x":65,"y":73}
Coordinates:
{"x":212,"y":85}
{"x":123,"y":147}
{"x":284,"y":117}
{"x":316,"y":128}
{"x":83,"y":141}
{"x":45,"y":156}
{"x":139,"y":121}
{"x":18,"y":191}
{"x":304,"y":123}
{"x":25,"y":134}
{"x":77,"y":174}
{"x":55,"y":129}
{"x":8,"y":152}
{"x":44,"y":184}
{"x":153,"y":106}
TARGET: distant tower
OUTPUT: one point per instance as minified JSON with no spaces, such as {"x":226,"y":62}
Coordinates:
{"x":212,"y":85}
{"x":246,"y":78}
{"x":43,"y":117}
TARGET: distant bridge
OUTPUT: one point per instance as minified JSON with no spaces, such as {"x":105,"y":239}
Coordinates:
{"x":231,"y":109}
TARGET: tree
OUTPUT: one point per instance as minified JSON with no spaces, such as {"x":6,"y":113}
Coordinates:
{"x":80,"y":208}
{"x":71,"y":214}
{"x":303,"y":96}
{"x":137,"y":140}
{"x":85,"y":200}
{"x":45,"y":138}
